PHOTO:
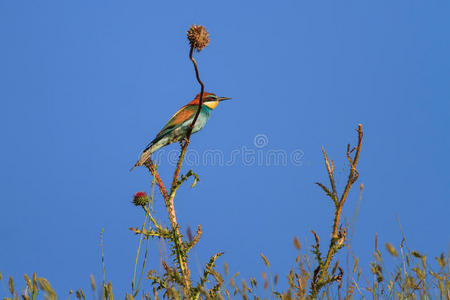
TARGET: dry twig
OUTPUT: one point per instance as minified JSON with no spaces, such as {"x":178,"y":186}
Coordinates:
{"x":338,"y":236}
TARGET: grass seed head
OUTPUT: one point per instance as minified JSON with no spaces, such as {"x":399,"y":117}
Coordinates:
{"x":266,"y":261}
{"x":297,"y":243}
{"x":93,"y":285}
{"x":11,"y":285}
{"x":391,"y":249}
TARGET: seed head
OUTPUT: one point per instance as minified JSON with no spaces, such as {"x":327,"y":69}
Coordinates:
{"x":297,"y":243}
{"x":198,"y":37}
{"x":391,"y":249}
{"x":140,"y":199}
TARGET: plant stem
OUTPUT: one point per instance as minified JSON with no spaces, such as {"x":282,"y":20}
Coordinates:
{"x":134,"y":293}
{"x":169,"y":198}
{"x":323,"y":275}
{"x":173,"y":221}
{"x":149,"y":206}
{"x":103,"y":264}
{"x":188,"y":135}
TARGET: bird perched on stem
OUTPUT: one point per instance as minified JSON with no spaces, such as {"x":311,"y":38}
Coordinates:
{"x":178,"y":126}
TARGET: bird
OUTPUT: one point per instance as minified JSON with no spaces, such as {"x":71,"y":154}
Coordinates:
{"x":178,"y":125}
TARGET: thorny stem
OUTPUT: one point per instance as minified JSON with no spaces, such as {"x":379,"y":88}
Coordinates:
{"x":183,"y":152}
{"x":172,"y":216}
{"x":151,"y":167}
{"x":173,"y":222}
{"x":352,"y":176}
{"x":183,"y":265}
{"x":168,"y":198}
{"x":323,"y":275}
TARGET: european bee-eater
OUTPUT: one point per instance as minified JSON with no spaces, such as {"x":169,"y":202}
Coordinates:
{"x":178,"y":126}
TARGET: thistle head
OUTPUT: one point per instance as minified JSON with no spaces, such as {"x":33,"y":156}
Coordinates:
{"x":198,"y":37}
{"x":140,"y":199}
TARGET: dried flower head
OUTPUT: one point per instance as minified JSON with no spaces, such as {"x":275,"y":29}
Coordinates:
{"x":198,"y":37}
{"x":140,"y":199}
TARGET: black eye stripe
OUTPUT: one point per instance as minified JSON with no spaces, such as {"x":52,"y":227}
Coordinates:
{"x":210,"y":98}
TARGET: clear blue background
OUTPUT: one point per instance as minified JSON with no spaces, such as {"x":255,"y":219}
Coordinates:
{"x":84,"y":85}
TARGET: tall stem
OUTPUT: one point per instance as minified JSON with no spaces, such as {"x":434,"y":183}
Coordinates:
{"x":188,"y":135}
{"x":173,"y":222}
{"x":169,"y":198}
{"x":323,"y":274}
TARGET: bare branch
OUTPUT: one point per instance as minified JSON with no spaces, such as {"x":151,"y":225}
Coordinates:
{"x":338,"y":236}
{"x":330,"y":170}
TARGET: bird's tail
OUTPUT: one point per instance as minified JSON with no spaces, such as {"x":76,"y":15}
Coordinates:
{"x":145,"y":155}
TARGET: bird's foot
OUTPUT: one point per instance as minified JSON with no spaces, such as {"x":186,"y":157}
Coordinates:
{"x":184,"y":142}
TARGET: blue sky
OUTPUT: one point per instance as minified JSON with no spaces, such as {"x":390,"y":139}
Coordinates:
{"x":85,"y":85}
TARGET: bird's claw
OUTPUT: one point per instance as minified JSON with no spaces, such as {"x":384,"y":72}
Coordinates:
{"x":184,"y":141}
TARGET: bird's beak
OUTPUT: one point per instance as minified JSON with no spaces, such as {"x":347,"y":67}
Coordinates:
{"x":223,"y":98}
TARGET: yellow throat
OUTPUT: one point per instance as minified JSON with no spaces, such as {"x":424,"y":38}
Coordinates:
{"x":211,"y":104}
